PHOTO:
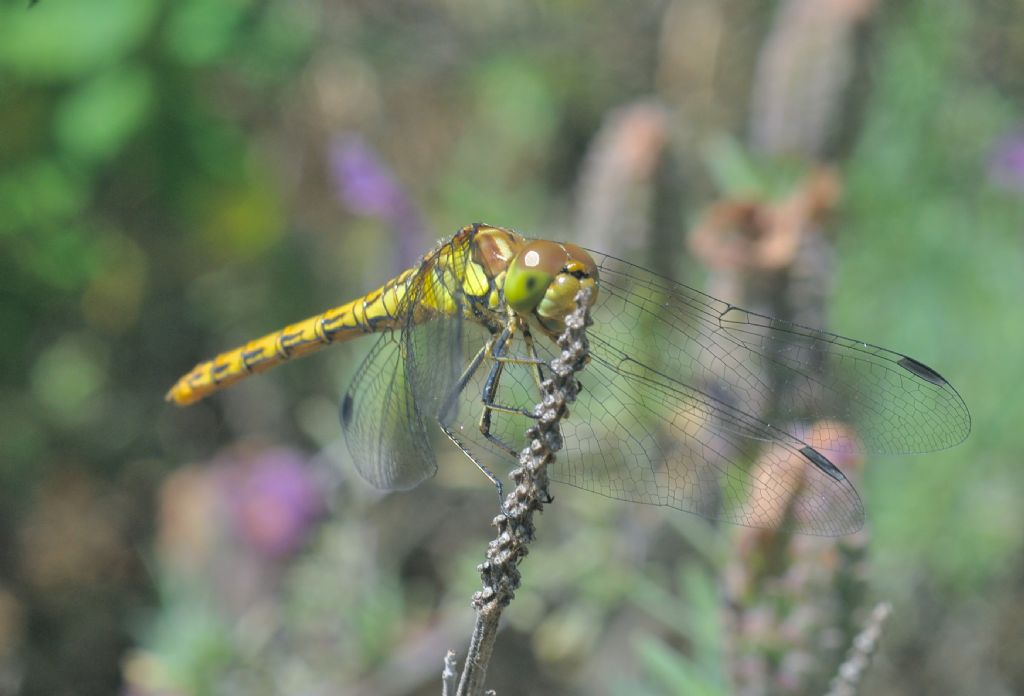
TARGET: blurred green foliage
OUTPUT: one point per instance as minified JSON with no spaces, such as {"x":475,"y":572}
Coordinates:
{"x":936,"y":247}
{"x":166,"y":192}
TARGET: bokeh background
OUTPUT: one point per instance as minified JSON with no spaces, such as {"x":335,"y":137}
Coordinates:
{"x":179,"y":177}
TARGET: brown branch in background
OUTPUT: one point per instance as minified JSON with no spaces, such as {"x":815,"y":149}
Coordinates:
{"x":803,"y":79}
{"x":804,"y":72}
{"x":500,"y":570}
{"x":805,"y":66}
{"x":615,"y":191}
{"x":746,"y":235}
{"x":791,"y":599}
{"x":852,"y":671}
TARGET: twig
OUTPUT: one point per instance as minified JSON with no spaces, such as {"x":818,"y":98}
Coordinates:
{"x":449,"y":675}
{"x":850,"y":673}
{"x":500,"y":572}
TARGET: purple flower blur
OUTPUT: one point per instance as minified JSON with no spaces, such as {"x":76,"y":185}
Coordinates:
{"x":364,"y":184}
{"x":276,"y":502}
{"x":367,"y":187}
{"x":1006,"y":165}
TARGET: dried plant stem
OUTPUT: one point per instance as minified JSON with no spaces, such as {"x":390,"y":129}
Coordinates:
{"x":500,"y":571}
{"x":448,"y":675}
{"x":850,"y":673}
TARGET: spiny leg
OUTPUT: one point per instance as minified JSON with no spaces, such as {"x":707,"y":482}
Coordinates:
{"x":497,"y":351}
{"x":461,"y":382}
{"x":487,"y":396}
{"x":490,"y":390}
{"x":479,"y":465}
{"x":450,"y":401}
{"x":532,"y":358}
{"x":531,"y":350}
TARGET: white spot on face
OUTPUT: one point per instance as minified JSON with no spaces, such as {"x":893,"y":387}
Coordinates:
{"x":531,"y":258}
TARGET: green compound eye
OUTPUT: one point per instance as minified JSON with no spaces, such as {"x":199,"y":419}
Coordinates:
{"x":531,"y":273}
{"x":525,"y":287}
{"x":544,"y":277}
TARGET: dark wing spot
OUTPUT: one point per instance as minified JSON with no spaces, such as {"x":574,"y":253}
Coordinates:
{"x":821,"y":461}
{"x":346,"y":410}
{"x":531,"y":282}
{"x":923,"y":371}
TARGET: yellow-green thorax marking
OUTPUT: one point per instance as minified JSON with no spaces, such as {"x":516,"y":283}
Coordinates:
{"x":498,"y":274}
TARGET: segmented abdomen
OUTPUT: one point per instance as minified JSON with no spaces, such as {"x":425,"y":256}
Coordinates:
{"x":375,"y":311}
{"x":460,"y":275}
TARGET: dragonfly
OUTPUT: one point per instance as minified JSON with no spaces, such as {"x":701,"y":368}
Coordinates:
{"x":687,"y":401}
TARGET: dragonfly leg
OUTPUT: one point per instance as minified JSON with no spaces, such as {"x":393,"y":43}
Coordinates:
{"x":531,"y":350}
{"x":489,"y":392}
{"x":497,"y":350}
{"x":450,"y":401}
{"x":491,"y":386}
{"x":538,"y":373}
{"x":479,"y":465}
{"x":461,"y":382}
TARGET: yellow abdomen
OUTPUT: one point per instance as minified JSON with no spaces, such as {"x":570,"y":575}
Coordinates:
{"x":466,"y":268}
{"x":376,"y":311}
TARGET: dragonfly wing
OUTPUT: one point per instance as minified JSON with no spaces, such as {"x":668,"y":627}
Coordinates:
{"x":438,"y":348}
{"x":401,"y":387}
{"x":882,"y":401}
{"x":437,"y":354}
{"x":385,"y":430}
{"x":632,"y":435}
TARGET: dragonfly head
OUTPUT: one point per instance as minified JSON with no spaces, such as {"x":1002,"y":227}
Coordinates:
{"x":543,"y":279}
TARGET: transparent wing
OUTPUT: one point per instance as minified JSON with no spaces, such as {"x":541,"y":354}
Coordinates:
{"x":632,"y":435}
{"x":680,"y":399}
{"x":400,"y":391}
{"x":385,"y":430}
{"x":435,"y":342}
{"x":677,"y":407}
{"x":885,"y":402}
